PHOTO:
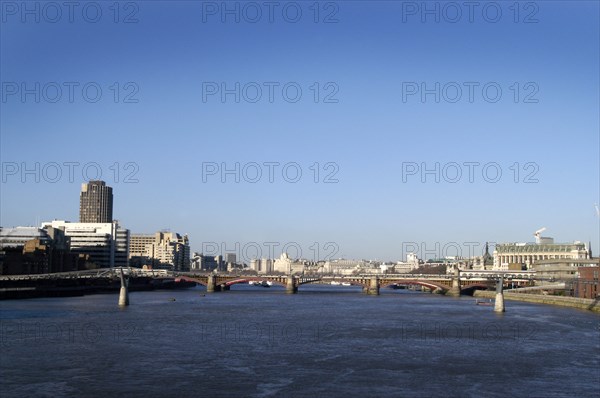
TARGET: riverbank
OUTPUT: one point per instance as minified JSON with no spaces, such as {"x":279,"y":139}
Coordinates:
{"x":580,"y":303}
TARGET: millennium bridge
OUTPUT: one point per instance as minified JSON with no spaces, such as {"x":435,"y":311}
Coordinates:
{"x":455,"y":284}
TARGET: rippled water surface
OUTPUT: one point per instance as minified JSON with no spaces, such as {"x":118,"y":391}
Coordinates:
{"x":323,"y":341}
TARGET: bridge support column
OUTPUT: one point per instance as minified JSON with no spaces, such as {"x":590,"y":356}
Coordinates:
{"x":292,"y":285}
{"x":499,"y":302}
{"x":455,"y":289}
{"x":373,"y":286}
{"x":124,"y":292}
{"x":211,"y":285}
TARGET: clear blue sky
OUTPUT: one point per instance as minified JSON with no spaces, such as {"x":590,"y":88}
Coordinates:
{"x":372,"y":52}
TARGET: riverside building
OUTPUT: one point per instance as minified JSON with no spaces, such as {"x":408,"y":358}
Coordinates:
{"x":525,"y":255}
{"x":163,"y":250}
{"x":106,"y":244}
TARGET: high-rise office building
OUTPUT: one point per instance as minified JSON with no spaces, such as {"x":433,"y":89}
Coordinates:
{"x":96,"y":202}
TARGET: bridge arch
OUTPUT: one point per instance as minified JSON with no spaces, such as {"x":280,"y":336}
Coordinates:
{"x":430,"y":285}
{"x":340,"y":280}
{"x":471,"y":287}
{"x":235,"y":281}
{"x":190,"y":279}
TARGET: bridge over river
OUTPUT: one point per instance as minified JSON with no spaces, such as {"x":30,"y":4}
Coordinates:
{"x":450,"y":284}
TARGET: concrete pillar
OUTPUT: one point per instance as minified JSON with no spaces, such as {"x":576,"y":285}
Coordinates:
{"x":124,"y":292}
{"x":211,"y":285}
{"x":454,"y":291}
{"x":373,"y":286}
{"x":291,"y":286}
{"x":499,"y":302}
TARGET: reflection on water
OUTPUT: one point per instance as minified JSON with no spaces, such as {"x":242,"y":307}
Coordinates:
{"x":323,"y":341}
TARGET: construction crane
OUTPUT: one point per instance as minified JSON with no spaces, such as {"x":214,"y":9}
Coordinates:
{"x":538,"y":235}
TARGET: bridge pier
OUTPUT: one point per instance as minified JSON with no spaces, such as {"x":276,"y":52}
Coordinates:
{"x":211,"y":285}
{"x":124,"y":292}
{"x":373,"y":288}
{"x":291,"y":286}
{"x":454,"y":291}
{"x":499,"y":302}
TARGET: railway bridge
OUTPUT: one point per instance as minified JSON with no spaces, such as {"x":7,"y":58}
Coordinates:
{"x":451,"y":284}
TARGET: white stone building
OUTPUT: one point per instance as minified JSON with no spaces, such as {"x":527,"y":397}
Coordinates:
{"x":107,"y":244}
{"x":527,"y":254}
{"x":161,"y":250}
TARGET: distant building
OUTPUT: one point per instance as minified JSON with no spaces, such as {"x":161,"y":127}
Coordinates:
{"x":412,"y":262}
{"x":561,"y":269}
{"x":230,"y":258}
{"x":221,"y":266}
{"x":162,"y":250}
{"x":525,"y":255}
{"x":31,"y":250}
{"x":201,"y":262}
{"x":95,"y":203}
{"x":588,"y":283}
{"x":286,"y":265}
{"x":341,"y":267}
{"x":18,"y":236}
{"x":483,"y":263}
{"x":262,"y":266}
{"x":283,"y":264}
{"x":106,"y":244}
{"x":139,"y":255}
{"x":265,"y":266}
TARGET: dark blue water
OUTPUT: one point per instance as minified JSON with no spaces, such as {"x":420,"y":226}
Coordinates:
{"x":323,"y":341}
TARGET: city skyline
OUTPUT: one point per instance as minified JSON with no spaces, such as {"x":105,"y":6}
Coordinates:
{"x":387,"y":101}
{"x":312,"y":251}
{"x":299,"y":198}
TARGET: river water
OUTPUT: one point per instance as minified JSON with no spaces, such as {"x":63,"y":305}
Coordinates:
{"x":324,"y":341}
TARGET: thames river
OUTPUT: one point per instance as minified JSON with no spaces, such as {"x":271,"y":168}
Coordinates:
{"x":324,"y":341}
